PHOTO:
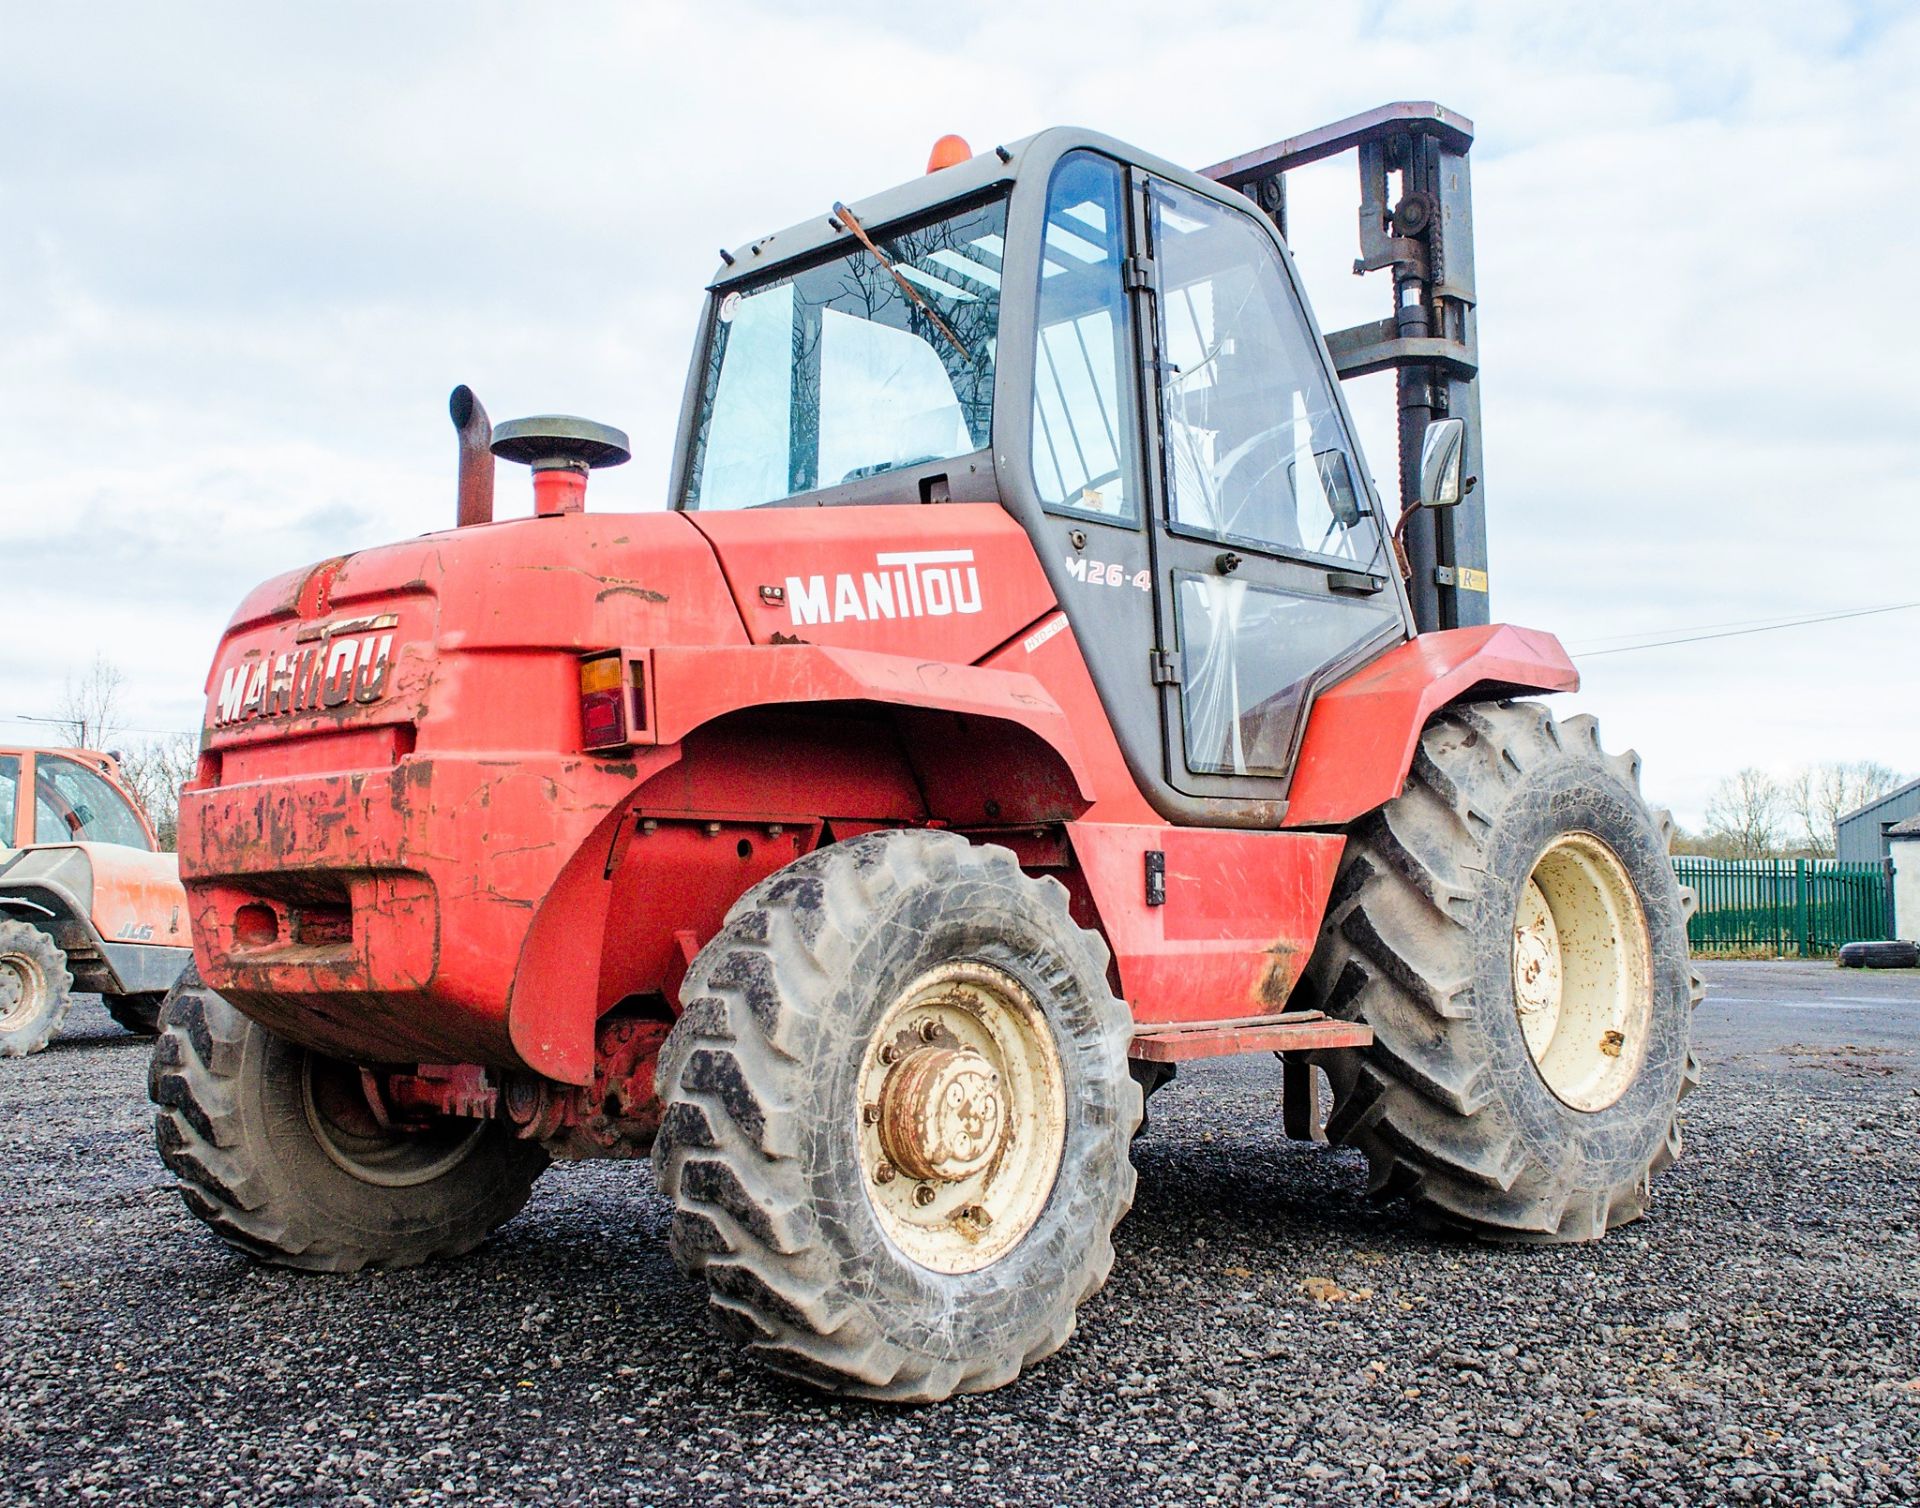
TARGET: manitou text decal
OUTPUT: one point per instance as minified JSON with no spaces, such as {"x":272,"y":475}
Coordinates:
{"x":342,"y":669}
{"x":908,"y":584}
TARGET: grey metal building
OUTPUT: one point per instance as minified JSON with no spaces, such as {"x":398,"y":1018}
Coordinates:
{"x":1860,"y":837}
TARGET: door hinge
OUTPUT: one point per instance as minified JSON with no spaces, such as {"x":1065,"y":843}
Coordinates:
{"x":1137,"y":272}
{"x":1165,"y":667}
{"x":1156,"y":877}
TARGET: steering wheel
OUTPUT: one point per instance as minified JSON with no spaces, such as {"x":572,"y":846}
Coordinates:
{"x":1254,"y":479}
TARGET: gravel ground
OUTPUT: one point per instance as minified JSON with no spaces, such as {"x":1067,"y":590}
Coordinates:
{"x":1267,"y":1336}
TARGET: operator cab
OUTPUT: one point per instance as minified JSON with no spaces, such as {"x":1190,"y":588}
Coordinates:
{"x":1116,"y":351}
{"x":66,"y":796}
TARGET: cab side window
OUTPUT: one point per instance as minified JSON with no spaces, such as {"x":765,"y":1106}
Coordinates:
{"x":1083,"y":444}
{"x":9,"y":795}
{"x":76,"y":804}
{"x":1256,"y":449}
{"x":50,"y":823}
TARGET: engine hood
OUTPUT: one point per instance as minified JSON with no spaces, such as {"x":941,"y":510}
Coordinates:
{"x":380,"y":638}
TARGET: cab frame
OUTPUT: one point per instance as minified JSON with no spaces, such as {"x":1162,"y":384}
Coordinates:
{"x":1136,"y":672}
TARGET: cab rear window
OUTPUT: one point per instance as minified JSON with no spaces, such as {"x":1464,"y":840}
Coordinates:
{"x":853,"y":367}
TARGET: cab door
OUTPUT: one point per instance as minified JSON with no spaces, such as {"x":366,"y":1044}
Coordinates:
{"x":1272,"y":573}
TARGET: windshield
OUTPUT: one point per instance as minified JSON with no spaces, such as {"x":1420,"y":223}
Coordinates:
{"x":835,"y":373}
{"x":76,"y":805}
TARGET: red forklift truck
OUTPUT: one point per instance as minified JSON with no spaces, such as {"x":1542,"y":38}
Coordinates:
{"x":1025,"y":691}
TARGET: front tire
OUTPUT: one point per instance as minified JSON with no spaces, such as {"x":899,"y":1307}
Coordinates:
{"x":139,"y":1014}
{"x":1511,"y":929}
{"x":897,"y":1118}
{"x":35,"y":989}
{"x":273,"y":1152}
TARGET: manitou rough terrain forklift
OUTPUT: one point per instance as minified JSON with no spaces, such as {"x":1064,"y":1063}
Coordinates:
{"x":1026,"y":692}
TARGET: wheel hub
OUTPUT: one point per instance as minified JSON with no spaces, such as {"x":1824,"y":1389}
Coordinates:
{"x":1536,"y":968}
{"x":962,"y":1117}
{"x":17,"y":979}
{"x":940,"y":1114}
{"x":353,"y":1138}
{"x":1582,"y":972}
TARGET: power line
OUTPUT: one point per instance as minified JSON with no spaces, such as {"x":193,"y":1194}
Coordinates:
{"x":1692,"y":637}
{"x":1769,"y":620}
{"x":114,"y":728}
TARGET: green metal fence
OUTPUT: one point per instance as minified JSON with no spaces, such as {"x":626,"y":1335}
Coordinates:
{"x":1806,"y":907}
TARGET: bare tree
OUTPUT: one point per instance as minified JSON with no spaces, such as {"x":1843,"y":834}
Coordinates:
{"x":1703,"y":845}
{"x":155,"y":769}
{"x":1748,"y":810}
{"x":1821,"y":794}
{"x":90,"y":706}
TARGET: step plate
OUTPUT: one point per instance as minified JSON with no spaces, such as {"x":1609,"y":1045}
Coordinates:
{"x":1296,"y":1031}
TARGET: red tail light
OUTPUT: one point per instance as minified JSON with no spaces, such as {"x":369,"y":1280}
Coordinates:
{"x":613,"y":703}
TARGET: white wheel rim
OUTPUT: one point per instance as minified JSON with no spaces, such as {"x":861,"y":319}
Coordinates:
{"x":21,"y":986}
{"x":1582,"y":972}
{"x":962,"y":1117}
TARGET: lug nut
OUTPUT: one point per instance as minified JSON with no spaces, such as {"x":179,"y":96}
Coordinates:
{"x":883,"y":1173}
{"x":871,"y":1115}
{"x":889,"y":1054}
{"x":923,"y":1196}
{"x":929,"y":1029}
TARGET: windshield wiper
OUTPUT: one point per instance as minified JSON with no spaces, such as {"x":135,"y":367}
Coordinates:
{"x":846,"y":217}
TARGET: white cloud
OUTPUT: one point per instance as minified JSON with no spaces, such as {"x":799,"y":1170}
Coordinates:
{"x":245,"y":252}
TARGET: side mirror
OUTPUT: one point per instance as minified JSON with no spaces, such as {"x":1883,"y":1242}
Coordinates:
{"x":1441,"y":456}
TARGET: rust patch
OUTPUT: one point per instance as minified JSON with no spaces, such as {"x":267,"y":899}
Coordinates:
{"x":644,"y":593}
{"x":610,"y":586}
{"x":1277,"y":975}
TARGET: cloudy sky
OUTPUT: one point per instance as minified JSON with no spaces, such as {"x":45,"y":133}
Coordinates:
{"x":245,"y":250}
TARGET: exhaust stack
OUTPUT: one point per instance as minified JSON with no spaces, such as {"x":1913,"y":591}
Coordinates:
{"x":476,"y":457}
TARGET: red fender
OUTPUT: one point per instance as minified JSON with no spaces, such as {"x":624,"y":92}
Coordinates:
{"x":561,"y":982}
{"x":1361,"y":732}
{"x":694,"y":686}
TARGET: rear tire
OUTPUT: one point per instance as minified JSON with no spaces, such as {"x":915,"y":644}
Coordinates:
{"x":782,"y":1112}
{"x":1507,"y":1102}
{"x":261,"y":1135}
{"x":139,"y":1014}
{"x":35,"y":989}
